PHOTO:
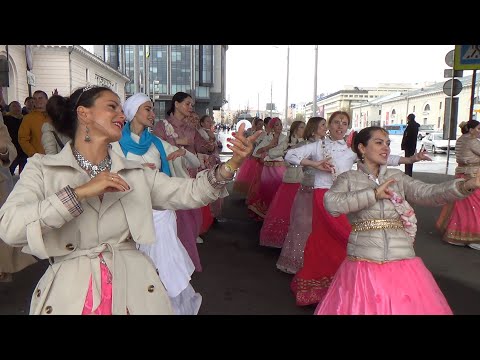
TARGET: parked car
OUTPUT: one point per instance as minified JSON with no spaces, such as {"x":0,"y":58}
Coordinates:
{"x":424,"y":130}
{"x":435,"y":143}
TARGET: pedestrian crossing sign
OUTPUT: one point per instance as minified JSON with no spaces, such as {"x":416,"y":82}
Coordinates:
{"x":467,"y":57}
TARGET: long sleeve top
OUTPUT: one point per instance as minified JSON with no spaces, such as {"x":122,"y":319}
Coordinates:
{"x":342,"y":156}
{"x":467,"y":154}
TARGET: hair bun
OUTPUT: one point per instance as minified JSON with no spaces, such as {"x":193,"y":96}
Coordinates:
{"x":462,"y":124}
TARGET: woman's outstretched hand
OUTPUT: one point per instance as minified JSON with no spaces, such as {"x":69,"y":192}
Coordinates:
{"x":241,"y":146}
{"x":422,"y":155}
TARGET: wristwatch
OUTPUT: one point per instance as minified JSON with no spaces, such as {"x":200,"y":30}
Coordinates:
{"x":230,"y":169}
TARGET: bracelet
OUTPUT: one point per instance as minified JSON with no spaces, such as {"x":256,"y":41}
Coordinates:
{"x":212,"y":178}
{"x":228,"y":168}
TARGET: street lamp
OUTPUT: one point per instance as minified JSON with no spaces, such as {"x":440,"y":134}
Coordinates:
{"x":155,"y":82}
{"x":314,"y":106}
{"x":286,"y":94}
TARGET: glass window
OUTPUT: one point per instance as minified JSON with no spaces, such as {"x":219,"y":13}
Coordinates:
{"x":159,"y":68}
{"x":181,"y":68}
{"x":206,"y":65}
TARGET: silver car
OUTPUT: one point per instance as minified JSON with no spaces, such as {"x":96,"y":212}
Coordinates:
{"x":435,"y":143}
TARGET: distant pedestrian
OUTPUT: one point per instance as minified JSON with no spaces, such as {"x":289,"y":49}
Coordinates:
{"x":409,"y":141}
{"x":29,"y":105}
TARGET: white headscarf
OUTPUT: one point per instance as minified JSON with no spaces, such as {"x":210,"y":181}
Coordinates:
{"x":131,"y":105}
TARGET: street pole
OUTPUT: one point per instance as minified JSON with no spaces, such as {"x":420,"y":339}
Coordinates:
{"x":258,"y":104}
{"x":472,"y":94}
{"x":314,"y":106}
{"x":136,"y":70}
{"x":271,"y":101}
{"x":286,"y":94}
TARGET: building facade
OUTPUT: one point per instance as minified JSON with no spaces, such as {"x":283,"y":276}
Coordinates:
{"x":427,"y":103}
{"x":195,"y":69}
{"x":50,"y":67}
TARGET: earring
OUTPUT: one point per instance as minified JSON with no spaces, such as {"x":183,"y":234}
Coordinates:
{"x":87,"y":137}
{"x":363,"y":158}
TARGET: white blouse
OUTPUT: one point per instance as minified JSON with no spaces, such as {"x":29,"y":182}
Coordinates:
{"x":343,"y":158}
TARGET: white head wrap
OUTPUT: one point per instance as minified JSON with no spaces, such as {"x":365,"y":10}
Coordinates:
{"x":132,"y":104}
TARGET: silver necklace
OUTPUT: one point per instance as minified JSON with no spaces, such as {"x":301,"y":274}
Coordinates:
{"x":92,"y":169}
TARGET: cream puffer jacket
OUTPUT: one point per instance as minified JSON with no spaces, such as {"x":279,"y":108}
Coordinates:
{"x":467,"y":154}
{"x":352,"y":193}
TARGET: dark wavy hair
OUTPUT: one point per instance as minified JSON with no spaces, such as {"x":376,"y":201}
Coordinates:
{"x":63,"y":110}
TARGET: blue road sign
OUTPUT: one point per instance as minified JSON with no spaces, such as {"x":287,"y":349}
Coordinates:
{"x":467,"y":57}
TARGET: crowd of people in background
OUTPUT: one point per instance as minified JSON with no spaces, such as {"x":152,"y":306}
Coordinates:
{"x":106,"y":188}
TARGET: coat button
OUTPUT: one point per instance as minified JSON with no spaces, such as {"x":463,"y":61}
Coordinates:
{"x":48,"y":309}
{"x":151,"y":288}
{"x":38,"y":292}
{"x":70,"y":247}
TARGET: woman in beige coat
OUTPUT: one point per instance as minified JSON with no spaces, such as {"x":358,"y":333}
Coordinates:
{"x":11,"y":259}
{"x":381,"y":274}
{"x":86,"y":207}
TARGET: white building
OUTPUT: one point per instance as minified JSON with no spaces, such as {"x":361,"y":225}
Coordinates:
{"x":427,"y":103}
{"x":50,"y":67}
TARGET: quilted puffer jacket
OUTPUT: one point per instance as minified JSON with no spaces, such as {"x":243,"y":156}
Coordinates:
{"x":352,"y":193}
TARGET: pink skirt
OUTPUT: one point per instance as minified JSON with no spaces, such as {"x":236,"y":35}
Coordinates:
{"x":245,"y":176}
{"x":252,"y":192}
{"x":270,"y":181}
{"x":458,"y":220}
{"x":277,"y":219}
{"x":189,"y":224}
{"x":403,"y":287}
{"x":291,"y":257}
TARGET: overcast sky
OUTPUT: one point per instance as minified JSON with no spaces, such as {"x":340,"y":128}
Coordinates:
{"x":253,"y":69}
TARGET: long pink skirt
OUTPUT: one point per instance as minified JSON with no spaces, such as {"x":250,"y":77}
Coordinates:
{"x":403,"y":287}
{"x":277,"y":219}
{"x":291,"y":257}
{"x":458,"y":220}
{"x":245,"y":176}
{"x":270,"y":181}
{"x":252,"y":192}
{"x":189,"y":223}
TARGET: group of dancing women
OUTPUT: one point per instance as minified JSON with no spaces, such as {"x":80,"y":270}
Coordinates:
{"x":347,"y":235}
{"x":119,"y":210}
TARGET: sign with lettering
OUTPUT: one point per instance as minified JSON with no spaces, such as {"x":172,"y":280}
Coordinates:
{"x":101,"y":81}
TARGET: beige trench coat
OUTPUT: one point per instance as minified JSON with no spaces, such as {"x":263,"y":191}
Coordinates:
{"x":11,"y":259}
{"x":33,"y":216}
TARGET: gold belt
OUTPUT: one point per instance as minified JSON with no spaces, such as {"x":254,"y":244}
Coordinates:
{"x":376,"y":224}
{"x":274,"y":163}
